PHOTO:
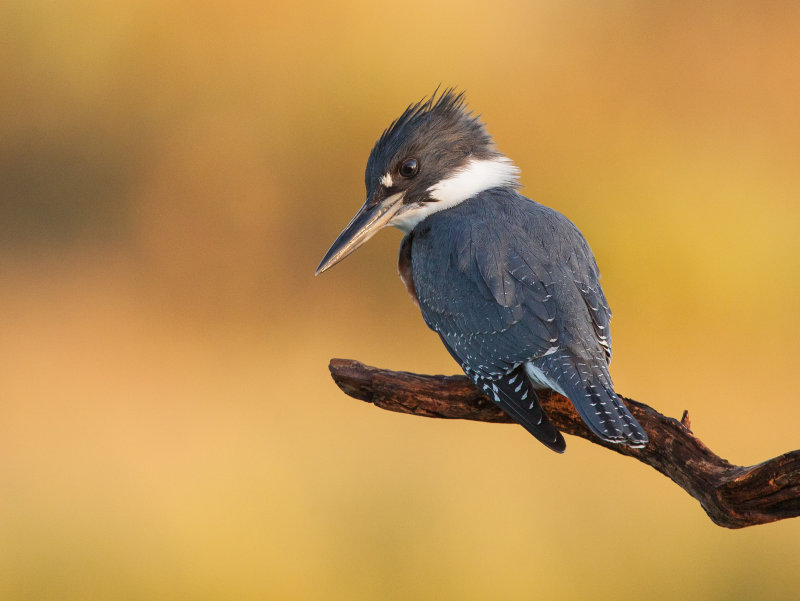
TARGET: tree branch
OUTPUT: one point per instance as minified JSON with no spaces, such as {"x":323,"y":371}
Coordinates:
{"x":733,"y":496}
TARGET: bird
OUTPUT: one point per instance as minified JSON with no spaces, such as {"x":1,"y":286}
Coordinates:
{"x":510,"y":286}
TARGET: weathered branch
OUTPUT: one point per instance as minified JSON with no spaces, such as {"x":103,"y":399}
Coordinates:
{"x":733,"y":496}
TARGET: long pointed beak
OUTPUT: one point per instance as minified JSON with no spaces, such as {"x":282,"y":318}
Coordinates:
{"x":361,"y":228}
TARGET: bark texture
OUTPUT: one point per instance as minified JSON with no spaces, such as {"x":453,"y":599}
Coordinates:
{"x":733,"y":496}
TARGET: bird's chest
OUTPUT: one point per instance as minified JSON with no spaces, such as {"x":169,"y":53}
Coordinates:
{"x":405,"y":268}
{"x":425,"y":268}
{"x":431,"y":269}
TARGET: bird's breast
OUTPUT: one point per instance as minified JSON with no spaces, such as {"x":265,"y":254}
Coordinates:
{"x":404,"y":268}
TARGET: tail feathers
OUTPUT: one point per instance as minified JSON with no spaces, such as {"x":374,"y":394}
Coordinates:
{"x":589,"y":388}
{"x":516,"y":396}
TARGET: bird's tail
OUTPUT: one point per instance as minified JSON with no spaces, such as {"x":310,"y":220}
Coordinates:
{"x":589,"y":387}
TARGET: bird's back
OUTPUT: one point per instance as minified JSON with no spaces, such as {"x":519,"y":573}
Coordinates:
{"x":501,"y":268}
{"x":509,"y":283}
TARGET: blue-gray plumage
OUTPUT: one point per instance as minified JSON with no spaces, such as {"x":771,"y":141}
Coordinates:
{"x":507,"y":282}
{"x":510,"y":285}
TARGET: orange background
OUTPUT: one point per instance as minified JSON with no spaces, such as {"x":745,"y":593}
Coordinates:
{"x":170,"y":176}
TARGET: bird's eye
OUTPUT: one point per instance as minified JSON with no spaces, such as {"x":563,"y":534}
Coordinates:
{"x":409,"y":168}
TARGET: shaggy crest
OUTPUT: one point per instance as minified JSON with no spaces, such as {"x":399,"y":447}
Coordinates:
{"x":443,"y":121}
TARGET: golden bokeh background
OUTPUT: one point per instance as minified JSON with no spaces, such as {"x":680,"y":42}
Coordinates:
{"x":172,"y":172}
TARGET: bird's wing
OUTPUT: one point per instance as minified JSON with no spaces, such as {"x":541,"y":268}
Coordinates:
{"x":582,"y":265}
{"x":526,"y":292}
{"x":514,"y":394}
{"x":493,"y":292}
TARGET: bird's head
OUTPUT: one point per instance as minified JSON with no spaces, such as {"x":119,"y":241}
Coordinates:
{"x":434,"y":156}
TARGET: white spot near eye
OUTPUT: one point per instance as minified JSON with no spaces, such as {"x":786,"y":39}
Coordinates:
{"x":386,"y":180}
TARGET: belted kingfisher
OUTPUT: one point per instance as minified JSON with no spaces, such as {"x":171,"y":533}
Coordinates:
{"x":510,"y":286}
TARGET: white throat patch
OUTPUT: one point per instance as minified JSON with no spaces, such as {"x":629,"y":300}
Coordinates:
{"x":473,"y":178}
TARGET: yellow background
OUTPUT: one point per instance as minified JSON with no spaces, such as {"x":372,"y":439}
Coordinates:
{"x":172,"y":172}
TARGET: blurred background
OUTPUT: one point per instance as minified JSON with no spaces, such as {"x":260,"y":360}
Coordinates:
{"x":172,"y":172}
